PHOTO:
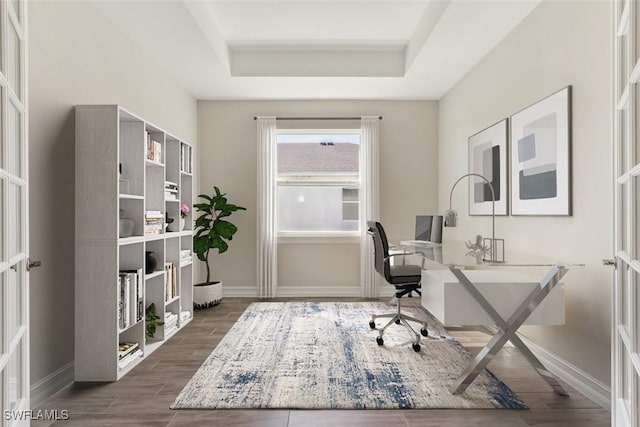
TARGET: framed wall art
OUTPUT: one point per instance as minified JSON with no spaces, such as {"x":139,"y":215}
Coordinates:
{"x":488,"y":157}
{"x":541,"y":157}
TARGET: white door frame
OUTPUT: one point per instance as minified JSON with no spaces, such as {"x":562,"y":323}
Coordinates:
{"x":14,"y":229}
{"x":625,"y":361}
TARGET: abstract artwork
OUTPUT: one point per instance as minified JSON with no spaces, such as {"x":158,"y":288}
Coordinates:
{"x":541,"y":157}
{"x":488,"y":157}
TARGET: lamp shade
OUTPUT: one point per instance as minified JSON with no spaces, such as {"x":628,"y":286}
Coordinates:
{"x":450,"y":218}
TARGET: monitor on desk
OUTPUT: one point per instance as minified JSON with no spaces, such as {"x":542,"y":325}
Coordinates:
{"x":429,"y":228}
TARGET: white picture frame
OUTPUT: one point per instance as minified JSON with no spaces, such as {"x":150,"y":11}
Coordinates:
{"x":541,"y":157}
{"x":488,"y":157}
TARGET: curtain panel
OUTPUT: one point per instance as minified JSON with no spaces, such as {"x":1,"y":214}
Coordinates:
{"x":267,"y":260}
{"x":369,"y":201}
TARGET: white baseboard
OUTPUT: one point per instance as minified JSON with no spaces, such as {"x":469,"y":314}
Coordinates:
{"x":591,"y":387}
{"x":51,"y":384}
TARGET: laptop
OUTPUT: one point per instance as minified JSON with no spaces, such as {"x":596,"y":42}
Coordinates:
{"x":428,"y":230}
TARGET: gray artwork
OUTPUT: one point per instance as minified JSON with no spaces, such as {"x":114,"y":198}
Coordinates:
{"x":540,"y":152}
{"x":488,"y":157}
{"x":537,"y":153}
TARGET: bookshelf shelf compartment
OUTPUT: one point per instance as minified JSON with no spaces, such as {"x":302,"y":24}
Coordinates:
{"x":118,"y":169}
{"x":172,"y":300}
{"x":154,"y":274}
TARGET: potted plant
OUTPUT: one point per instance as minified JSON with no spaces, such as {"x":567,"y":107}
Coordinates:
{"x":212,"y":231}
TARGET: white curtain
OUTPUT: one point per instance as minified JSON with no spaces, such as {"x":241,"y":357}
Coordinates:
{"x":369,"y":201}
{"x":267,"y":208}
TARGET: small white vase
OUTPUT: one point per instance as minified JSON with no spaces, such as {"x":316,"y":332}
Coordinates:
{"x":182,"y":223}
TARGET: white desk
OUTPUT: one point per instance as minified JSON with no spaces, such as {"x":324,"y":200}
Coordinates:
{"x":458,"y":289}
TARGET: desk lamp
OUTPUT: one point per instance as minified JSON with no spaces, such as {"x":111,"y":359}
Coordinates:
{"x":451,"y":216}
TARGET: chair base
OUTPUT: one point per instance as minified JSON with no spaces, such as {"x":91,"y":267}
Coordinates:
{"x":403,"y":319}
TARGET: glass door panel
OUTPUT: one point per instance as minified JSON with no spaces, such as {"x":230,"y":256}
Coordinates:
{"x":15,"y":377}
{"x":15,"y":6}
{"x":14,"y":63}
{"x":14,"y":299}
{"x":15,"y":218}
{"x":14,"y":140}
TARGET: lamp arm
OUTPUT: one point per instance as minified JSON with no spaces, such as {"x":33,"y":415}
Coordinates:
{"x":493,"y":208}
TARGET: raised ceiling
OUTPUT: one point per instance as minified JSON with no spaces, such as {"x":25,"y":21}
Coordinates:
{"x":317,"y":49}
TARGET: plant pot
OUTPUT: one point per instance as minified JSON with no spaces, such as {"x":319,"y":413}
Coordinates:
{"x":206,"y":295}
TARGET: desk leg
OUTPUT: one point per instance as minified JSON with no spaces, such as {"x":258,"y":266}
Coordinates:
{"x":507,"y":330}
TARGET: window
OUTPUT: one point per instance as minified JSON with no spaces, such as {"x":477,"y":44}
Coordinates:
{"x":318,"y":182}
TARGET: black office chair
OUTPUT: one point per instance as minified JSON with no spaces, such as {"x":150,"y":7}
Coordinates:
{"x":405,"y":278}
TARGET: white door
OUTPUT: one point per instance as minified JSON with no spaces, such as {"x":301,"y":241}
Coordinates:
{"x":14,"y":280}
{"x":626,"y":322}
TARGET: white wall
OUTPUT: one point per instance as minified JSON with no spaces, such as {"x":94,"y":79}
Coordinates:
{"x":77,"y":56}
{"x":228,"y":159}
{"x":558,"y":44}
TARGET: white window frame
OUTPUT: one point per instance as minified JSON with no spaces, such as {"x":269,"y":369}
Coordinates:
{"x":319,"y":237}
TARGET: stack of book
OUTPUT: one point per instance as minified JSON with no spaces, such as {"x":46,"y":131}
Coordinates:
{"x":153,"y":222}
{"x":170,"y":284}
{"x":170,"y":322}
{"x":128,"y":353}
{"x":185,"y":158}
{"x":170,"y":191}
{"x":130,"y":303}
{"x":184,"y":315}
{"x":154,"y":149}
{"x":185,"y":256}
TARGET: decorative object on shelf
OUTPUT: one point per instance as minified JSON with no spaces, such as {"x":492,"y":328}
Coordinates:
{"x":206,"y":295}
{"x":168,"y":221}
{"x":123,"y":183}
{"x":152,"y":321}
{"x":541,"y":157}
{"x":150,"y":262}
{"x":488,"y":157}
{"x":451,"y":219}
{"x":478,"y":249}
{"x":212,"y":231}
{"x":184,"y":210}
{"x":125,"y":225}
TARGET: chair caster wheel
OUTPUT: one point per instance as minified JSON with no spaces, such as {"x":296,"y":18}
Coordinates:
{"x":397,"y":321}
{"x":379,"y":340}
{"x":424,"y":332}
{"x":416,"y":347}
{"x":372,"y":324}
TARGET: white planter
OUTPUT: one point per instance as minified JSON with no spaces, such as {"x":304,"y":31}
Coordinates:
{"x":207,"y":295}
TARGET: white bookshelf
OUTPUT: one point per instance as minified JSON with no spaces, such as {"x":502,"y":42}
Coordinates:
{"x":113,"y":173}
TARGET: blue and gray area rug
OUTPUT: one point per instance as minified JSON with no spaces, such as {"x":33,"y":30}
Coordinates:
{"x":325,"y":356}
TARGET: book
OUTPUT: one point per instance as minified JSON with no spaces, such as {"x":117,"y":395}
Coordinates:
{"x":129,"y":359}
{"x":124,"y":349}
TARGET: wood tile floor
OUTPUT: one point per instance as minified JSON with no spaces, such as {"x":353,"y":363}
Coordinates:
{"x":142,"y":398}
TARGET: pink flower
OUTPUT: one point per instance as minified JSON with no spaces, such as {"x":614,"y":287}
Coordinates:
{"x":184,"y":210}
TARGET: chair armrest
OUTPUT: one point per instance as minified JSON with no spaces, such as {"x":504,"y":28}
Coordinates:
{"x":423,"y":256}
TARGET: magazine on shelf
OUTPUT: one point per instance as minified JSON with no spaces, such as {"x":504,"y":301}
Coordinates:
{"x":130,"y":299}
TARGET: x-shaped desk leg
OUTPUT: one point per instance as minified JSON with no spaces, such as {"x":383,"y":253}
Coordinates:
{"x":507,"y":330}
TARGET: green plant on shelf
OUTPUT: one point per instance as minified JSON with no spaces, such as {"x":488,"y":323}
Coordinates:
{"x":152,"y":320}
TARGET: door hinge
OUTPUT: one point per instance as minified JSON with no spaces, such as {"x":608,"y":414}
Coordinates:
{"x":610,"y":262}
{"x":32,"y":264}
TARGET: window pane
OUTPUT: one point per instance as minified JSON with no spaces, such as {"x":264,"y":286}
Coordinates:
{"x":317,"y":155}
{"x":312,"y":208}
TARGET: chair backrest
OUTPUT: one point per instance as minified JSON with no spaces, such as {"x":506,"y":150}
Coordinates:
{"x":381,"y":248}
